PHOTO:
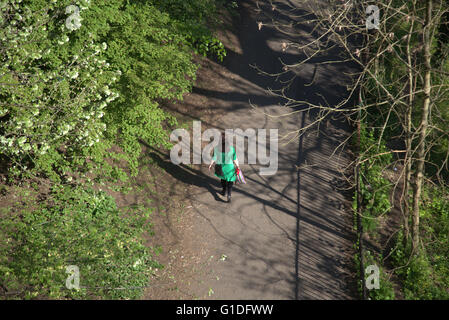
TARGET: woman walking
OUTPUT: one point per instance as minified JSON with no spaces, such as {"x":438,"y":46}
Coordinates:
{"x":227,"y":159}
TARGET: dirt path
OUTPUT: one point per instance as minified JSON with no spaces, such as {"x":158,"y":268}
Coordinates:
{"x":285,"y":236}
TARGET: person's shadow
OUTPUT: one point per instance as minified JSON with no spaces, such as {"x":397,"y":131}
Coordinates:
{"x":184,"y":173}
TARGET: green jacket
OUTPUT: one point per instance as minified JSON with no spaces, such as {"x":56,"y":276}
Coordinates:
{"x":226,"y":160}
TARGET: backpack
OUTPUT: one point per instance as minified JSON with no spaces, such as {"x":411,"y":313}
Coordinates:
{"x":218,"y":170}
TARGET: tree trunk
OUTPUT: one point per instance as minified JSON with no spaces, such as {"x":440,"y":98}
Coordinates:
{"x":422,"y":129}
{"x":408,"y":137}
{"x":408,"y":147}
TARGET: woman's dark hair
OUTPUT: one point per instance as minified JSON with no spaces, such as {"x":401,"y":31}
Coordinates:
{"x":224,"y":148}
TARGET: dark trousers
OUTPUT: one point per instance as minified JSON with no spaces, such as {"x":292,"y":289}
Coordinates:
{"x":227,"y":185}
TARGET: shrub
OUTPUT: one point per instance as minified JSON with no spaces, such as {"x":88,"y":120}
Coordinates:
{"x":76,"y":227}
{"x":374,"y":188}
{"x":426,"y":275}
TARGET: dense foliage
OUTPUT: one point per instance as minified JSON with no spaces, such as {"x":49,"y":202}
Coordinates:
{"x":80,"y":84}
{"x":76,"y":227}
{"x":374,"y":188}
{"x":427,"y":276}
{"x":423,"y":272}
{"x":375,"y":203}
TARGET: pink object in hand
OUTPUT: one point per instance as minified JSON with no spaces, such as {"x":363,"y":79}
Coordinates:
{"x":240,"y":177}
